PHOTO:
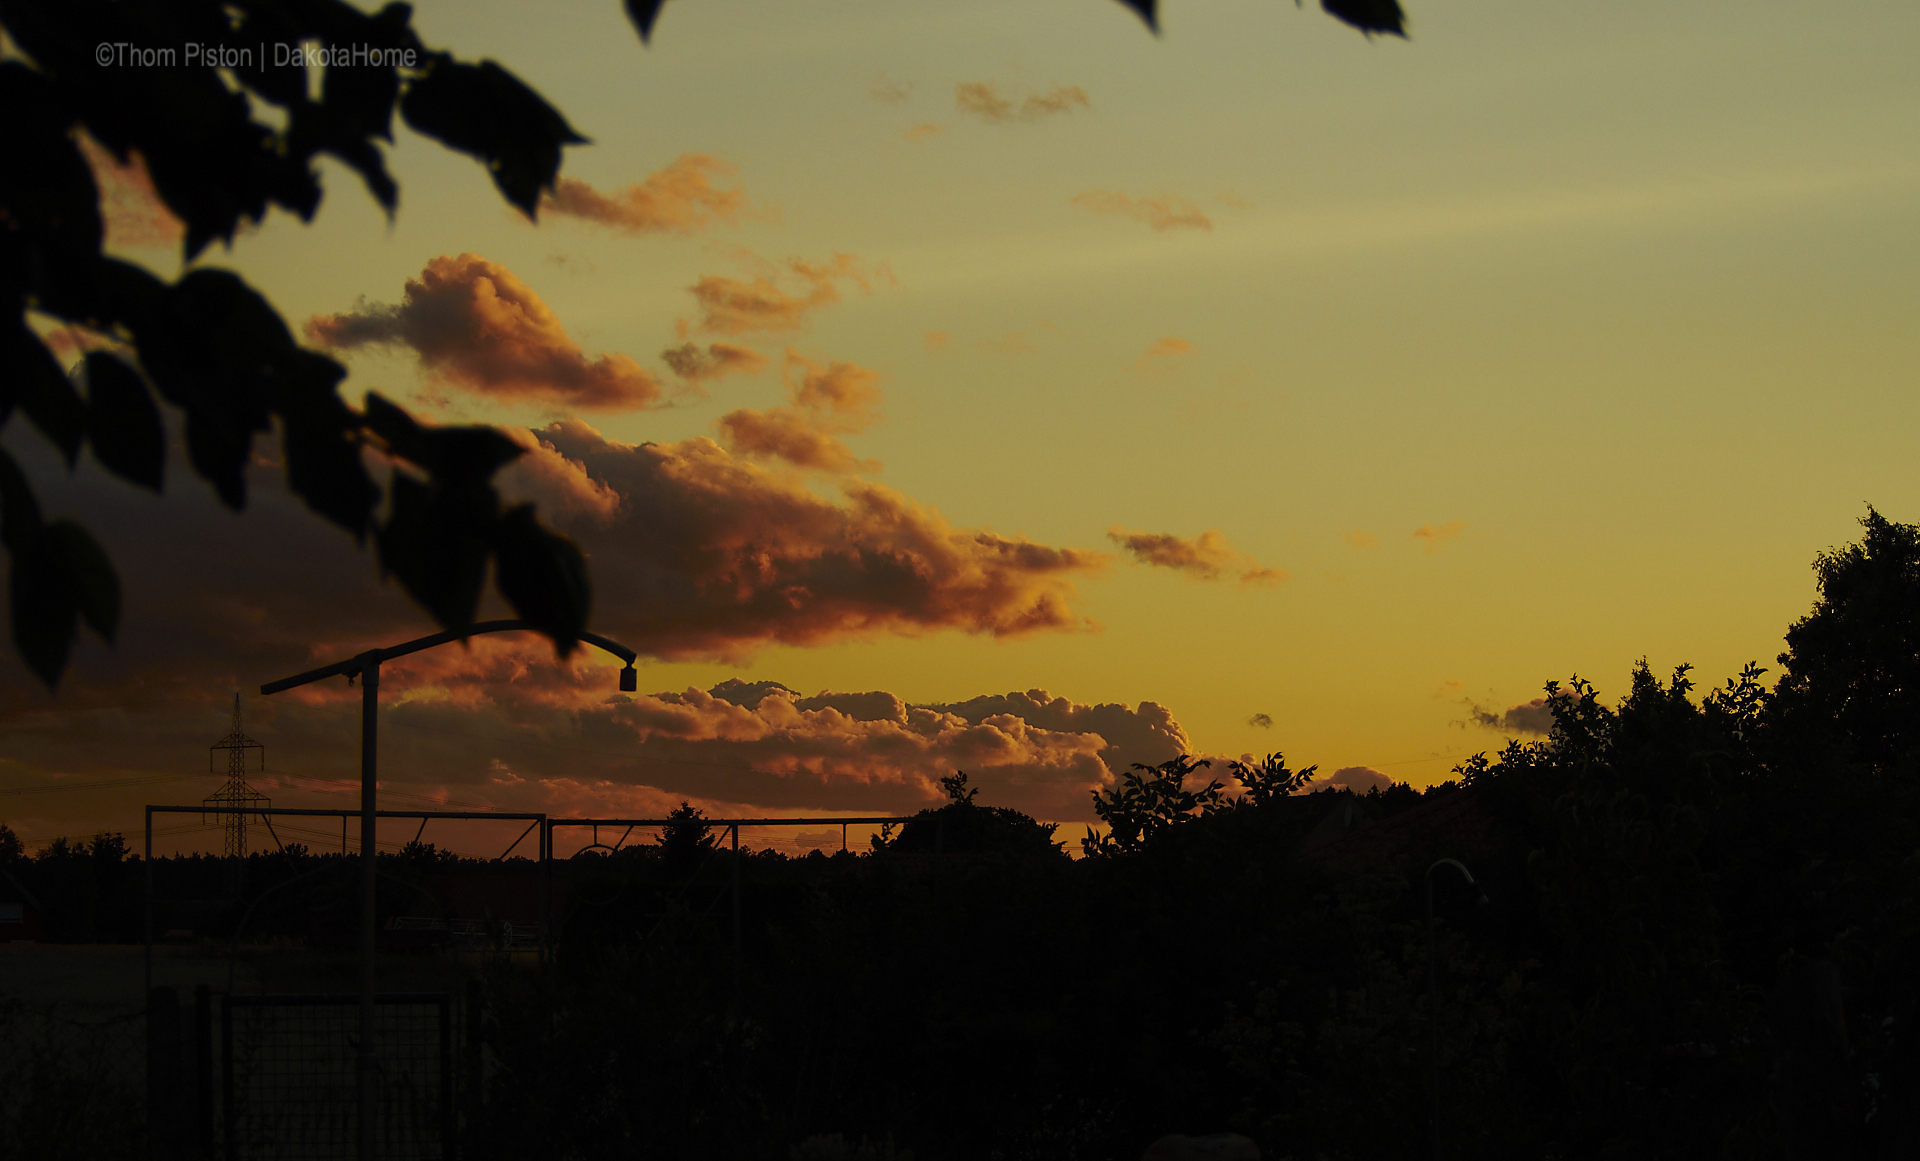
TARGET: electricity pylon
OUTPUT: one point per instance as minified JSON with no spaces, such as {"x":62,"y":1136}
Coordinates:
{"x":235,"y":800}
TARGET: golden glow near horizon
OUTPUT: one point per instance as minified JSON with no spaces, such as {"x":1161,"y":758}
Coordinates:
{"x":1554,"y":338}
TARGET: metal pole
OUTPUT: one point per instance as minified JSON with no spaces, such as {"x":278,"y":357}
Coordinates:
{"x":1433,"y":1013}
{"x":369,"y":753}
{"x":147,"y":967}
{"x":545,"y":853}
{"x":736,"y":913}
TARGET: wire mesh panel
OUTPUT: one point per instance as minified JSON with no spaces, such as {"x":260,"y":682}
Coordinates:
{"x":70,"y":1084}
{"x":290,"y":1086}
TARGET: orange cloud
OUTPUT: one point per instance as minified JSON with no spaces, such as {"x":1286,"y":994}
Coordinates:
{"x":923,"y":131}
{"x":1161,"y":211}
{"x":1435,"y":536}
{"x":733,"y":306}
{"x":717,"y":361}
{"x":130,"y":208}
{"x":1358,"y":539}
{"x":828,"y":401}
{"x":935,"y":341}
{"x":718,"y":557}
{"x":678,"y":199}
{"x":1162,"y":352}
{"x":983,"y":99}
{"x":1207,"y":556}
{"x":474,"y":324}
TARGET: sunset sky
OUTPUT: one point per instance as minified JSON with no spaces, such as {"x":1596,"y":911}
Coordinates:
{"x":1257,"y":386}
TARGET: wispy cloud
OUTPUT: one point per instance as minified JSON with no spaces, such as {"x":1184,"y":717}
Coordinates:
{"x":1207,"y":556}
{"x":678,"y":199}
{"x":1356,"y":538}
{"x":735,"y":306}
{"x":923,"y":131}
{"x":888,"y":91}
{"x":716,"y":362}
{"x":1434,"y":537}
{"x":473,"y":324}
{"x":1161,"y":211}
{"x":984,"y":100}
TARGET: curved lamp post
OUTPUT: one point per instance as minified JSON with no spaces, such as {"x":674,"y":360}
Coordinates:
{"x":1433,"y":998}
{"x":366,"y":667}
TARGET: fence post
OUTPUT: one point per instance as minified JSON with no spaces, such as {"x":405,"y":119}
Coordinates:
{"x":475,"y":1081}
{"x":736,"y":913}
{"x":229,"y":1116}
{"x":203,"y":1070}
{"x":163,"y":1074}
{"x":449,"y":1116}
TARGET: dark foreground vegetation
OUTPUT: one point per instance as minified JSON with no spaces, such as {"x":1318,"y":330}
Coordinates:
{"x":1701,"y":941}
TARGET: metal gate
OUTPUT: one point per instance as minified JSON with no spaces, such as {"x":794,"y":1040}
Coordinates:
{"x":288,"y":1084}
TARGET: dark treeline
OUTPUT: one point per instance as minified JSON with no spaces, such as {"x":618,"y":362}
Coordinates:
{"x":1699,"y":941}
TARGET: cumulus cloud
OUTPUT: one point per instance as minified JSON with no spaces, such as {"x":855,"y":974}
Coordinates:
{"x":1264,"y":721}
{"x":984,"y":100}
{"x":1531,"y":717}
{"x":1146,"y":734}
{"x":1161,"y":211}
{"x":1208,"y":556}
{"x":679,"y":199}
{"x":130,"y":208}
{"x":719,"y":557}
{"x":736,"y":306}
{"x":473,"y":324}
{"x":716,"y":362}
{"x":828,"y":401}
{"x":1434,"y":537}
{"x":1358,"y":779}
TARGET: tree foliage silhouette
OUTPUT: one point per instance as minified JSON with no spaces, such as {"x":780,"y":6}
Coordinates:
{"x":210,"y":345}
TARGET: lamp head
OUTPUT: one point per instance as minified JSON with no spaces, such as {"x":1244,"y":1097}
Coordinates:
{"x":629,"y":680}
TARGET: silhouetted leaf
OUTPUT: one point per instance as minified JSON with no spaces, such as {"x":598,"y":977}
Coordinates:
{"x":33,"y":382}
{"x":643,"y":13}
{"x":56,"y":573}
{"x":89,"y":574}
{"x":42,"y":602}
{"x":1145,"y":10}
{"x":484,"y":110}
{"x":453,"y":456}
{"x":543,"y":575}
{"x":320,"y":436}
{"x":123,"y":423}
{"x":19,"y":511}
{"x":1369,"y":16}
{"x":436,"y":544}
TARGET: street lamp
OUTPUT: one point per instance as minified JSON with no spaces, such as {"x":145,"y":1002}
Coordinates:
{"x":366,"y":667}
{"x":1433,"y":998}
